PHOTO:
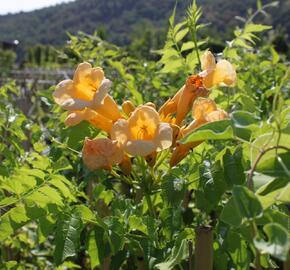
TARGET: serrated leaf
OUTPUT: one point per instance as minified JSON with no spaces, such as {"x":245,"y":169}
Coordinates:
{"x":67,"y":237}
{"x":93,"y":250}
{"x":252,"y":28}
{"x":187,"y":46}
{"x":172,"y":66}
{"x":62,"y":187}
{"x":181,"y":34}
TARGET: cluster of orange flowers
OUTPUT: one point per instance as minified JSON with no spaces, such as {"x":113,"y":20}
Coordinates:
{"x":140,"y":131}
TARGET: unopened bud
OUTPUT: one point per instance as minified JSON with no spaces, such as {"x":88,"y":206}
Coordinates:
{"x":128,"y":107}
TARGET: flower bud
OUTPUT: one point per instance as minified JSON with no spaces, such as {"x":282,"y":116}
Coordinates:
{"x":128,"y":107}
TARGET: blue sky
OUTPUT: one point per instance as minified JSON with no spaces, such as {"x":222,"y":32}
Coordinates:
{"x":14,"y":6}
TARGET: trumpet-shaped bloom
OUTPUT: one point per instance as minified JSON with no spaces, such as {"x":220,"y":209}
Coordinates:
{"x":143,"y":133}
{"x":215,"y":74}
{"x":88,"y":89}
{"x":94,"y":118}
{"x":101,"y":153}
{"x":182,"y":102}
{"x":204,"y":111}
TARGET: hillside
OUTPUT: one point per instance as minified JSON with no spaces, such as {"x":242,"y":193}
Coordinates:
{"x":120,"y":20}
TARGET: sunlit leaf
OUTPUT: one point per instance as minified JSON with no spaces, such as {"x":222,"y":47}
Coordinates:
{"x":277,"y":244}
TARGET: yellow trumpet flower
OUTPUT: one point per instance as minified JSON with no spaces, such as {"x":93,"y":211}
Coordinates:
{"x":88,"y":89}
{"x":101,"y":153}
{"x":203,"y":111}
{"x":143,"y":133}
{"x":94,"y":118}
{"x":182,"y":102}
{"x":215,"y":74}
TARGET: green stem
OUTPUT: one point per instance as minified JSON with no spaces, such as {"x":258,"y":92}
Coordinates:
{"x":258,"y":255}
{"x":150,"y":205}
{"x":193,"y":35}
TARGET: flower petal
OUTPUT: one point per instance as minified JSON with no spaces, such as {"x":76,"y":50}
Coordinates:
{"x":109,"y":109}
{"x":163,"y":140}
{"x":224,"y":74}
{"x":101,"y":93}
{"x":217,"y":115}
{"x":63,"y":91}
{"x":193,"y":89}
{"x":74,"y":118}
{"x":120,"y":131}
{"x":170,"y":106}
{"x":139,"y":148}
{"x":208,"y":61}
{"x":144,"y":118}
{"x":87,"y":80}
{"x":202,"y":107}
{"x":101,"y":153}
{"x":96,"y":119}
{"x":82,"y":71}
{"x":75,"y":104}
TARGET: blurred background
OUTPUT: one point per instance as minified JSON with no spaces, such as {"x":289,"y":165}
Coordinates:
{"x":33,"y":32}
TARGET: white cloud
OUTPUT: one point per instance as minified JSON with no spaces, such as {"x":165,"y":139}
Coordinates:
{"x":13,"y":6}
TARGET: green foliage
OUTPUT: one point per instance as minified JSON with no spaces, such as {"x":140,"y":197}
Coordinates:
{"x":7,"y":60}
{"x":55,"y":214}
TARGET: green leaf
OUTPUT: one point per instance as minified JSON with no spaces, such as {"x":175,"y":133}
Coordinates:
{"x":58,"y":183}
{"x":233,"y":169}
{"x":277,"y":244}
{"x":230,"y":214}
{"x":219,"y":130}
{"x":67,"y":237}
{"x":93,"y":250}
{"x":275,"y":166}
{"x":187,"y":46}
{"x":17,"y":217}
{"x":178,"y":254}
{"x":244,"y":123}
{"x":284,"y":195}
{"x":181,"y":34}
{"x":268,"y":140}
{"x":212,"y":187}
{"x":12,"y":220}
{"x":172,"y":66}
{"x":136,"y":223}
{"x":173,"y":187}
{"x":237,"y":248}
{"x":252,"y":28}
{"x":241,"y":43}
{"x":45,"y":227}
{"x":275,"y":191}
{"x":247,"y":203}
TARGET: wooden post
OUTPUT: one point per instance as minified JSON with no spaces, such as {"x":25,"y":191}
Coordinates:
{"x":203,"y":248}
